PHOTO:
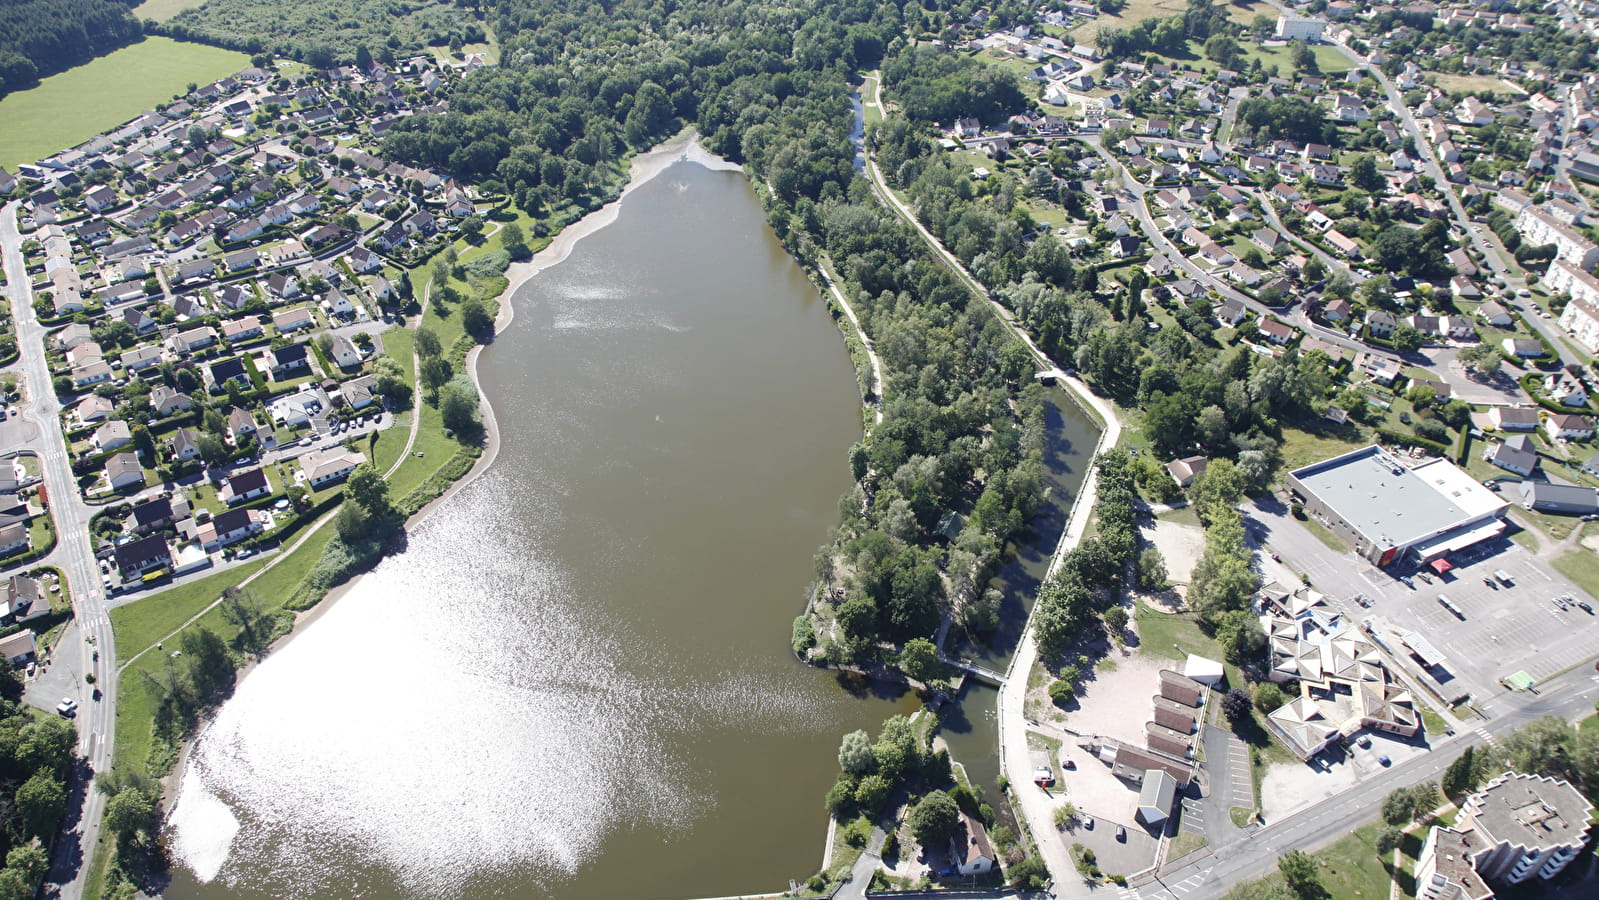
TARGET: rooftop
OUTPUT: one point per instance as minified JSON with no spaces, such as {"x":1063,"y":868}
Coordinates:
{"x":1530,"y":811}
{"x":1395,"y":504}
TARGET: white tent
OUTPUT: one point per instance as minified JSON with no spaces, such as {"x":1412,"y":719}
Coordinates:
{"x":1205,"y":671}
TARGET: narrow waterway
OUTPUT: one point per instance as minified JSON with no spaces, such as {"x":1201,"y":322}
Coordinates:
{"x":576,"y":681}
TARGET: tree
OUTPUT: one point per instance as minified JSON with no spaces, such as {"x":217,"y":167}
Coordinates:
{"x":1363,"y":174}
{"x":872,"y":793}
{"x":427,"y":342}
{"x":1065,"y":816}
{"x":212,"y":451}
{"x":1461,"y":776}
{"x":458,"y":407}
{"x":1240,"y":636}
{"x":1235,"y":705}
{"x":1388,"y":840}
{"x":920,"y":660}
{"x":129,"y":814}
{"x":1399,"y":807}
{"x":472,"y":228}
{"x":1152,"y":573}
{"x":1116,"y":620}
{"x":1300,"y":870}
{"x":1407,"y":339}
{"x":855,"y":753}
{"x":934,"y":820}
{"x":476,"y":320}
{"x":41,"y":800}
{"x":367,"y":488}
{"x":1269,"y":697}
{"x":1314,"y":270}
{"x":1485,"y":358}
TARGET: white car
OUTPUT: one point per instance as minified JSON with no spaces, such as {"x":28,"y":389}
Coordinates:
{"x":67,"y":707}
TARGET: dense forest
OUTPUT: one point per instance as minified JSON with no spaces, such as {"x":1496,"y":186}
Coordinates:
{"x":36,"y":753}
{"x":323,"y":34}
{"x":43,"y":37}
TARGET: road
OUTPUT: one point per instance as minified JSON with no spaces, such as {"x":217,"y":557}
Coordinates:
{"x":1504,"y":274}
{"x":1136,"y":193}
{"x":1570,"y":696}
{"x":74,"y":556}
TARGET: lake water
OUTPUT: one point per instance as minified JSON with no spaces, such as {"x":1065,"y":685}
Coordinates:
{"x":576,"y":681}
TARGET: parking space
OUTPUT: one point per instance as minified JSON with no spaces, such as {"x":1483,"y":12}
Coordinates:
{"x":1193,"y":816}
{"x":1289,"y":787}
{"x":1501,"y":629}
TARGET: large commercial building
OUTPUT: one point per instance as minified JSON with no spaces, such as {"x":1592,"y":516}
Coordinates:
{"x":1517,"y":828}
{"x":1387,"y":508}
{"x":1294,"y":28}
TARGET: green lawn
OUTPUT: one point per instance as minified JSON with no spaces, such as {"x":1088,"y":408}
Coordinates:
{"x":1582,"y":567}
{"x":68,"y":109}
{"x":1172,"y":635}
{"x":1349,"y":868}
{"x":162,"y":10}
{"x":140,"y":624}
{"x":1301,"y":448}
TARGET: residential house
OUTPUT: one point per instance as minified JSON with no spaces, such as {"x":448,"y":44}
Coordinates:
{"x":290,"y":361}
{"x":1562,"y":427}
{"x":219,"y":373}
{"x":228,"y":528}
{"x":123,"y":472}
{"x":151,"y":515}
{"x":320,"y":468}
{"x":242,"y":487}
{"x":93,"y":408}
{"x":1279,"y":333}
{"x":241,"y":425}
{"x":113,"y":435}
{"x":144,"y":555}
{"x":1185,"y":470}
{"x":166,"y":401}
{"x":184,"y":445}
{"x":14,"y":539}
{"x":1566,"y":390}
{"x":1514,"y":454}
{"x":1493,"y":314}
{"x":293,"y":319}
{"x":247,"y":328}
{"x":186,"y":342}
{"x":1524,"y":348}
{"x":1380,"y":323}
{"x":1513,"y":418}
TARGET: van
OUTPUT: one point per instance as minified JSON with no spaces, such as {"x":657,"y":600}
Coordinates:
{"x":1447,"y":604}
{"x":1504,"y":577}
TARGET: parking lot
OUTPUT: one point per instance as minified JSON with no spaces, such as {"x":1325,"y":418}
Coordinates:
{"x":1505,"y":629}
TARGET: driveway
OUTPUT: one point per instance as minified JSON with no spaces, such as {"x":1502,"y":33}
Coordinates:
{"x":1444,"y":361}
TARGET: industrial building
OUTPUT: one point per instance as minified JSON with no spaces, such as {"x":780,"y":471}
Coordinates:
{"x":1388,"y":508}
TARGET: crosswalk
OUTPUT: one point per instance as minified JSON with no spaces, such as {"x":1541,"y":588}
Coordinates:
{"x":1165,"y":890}
{"x":1489,"y":738}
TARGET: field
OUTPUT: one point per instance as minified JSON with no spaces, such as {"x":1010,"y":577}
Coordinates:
{"x":162,"y":10}
{"x":1474,"y":83}
{"x":68,"y":109}
{"x":1138,"y":10}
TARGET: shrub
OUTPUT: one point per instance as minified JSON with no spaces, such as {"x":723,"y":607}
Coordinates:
{"x":856,"y":832}
{"x":1061,"y":693}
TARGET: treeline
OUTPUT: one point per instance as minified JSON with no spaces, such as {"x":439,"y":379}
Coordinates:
{"x":1086,"y":584}
{"x":324,"y":34}
{"x":36,"y":759}
{"x":43,"y":37}
{"x":932,"y":85}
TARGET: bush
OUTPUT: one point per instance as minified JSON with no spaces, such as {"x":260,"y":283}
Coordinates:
{"x":1061,"y":693}
{"x":804,"y":635}
{"x":856,"y":832}
{"x":1388,"y":840}
{"x":1399,"y":807}
{"x":1065,"y":816}
{"x":1235,"y":705}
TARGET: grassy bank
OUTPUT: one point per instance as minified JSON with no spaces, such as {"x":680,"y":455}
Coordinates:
{"x":69,"y":108}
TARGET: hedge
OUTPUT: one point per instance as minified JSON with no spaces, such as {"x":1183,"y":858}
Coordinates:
{"x":1412,"y":440}
{"x":1532,"y":384}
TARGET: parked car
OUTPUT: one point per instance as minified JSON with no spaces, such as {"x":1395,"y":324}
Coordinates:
{"x":1121,"y":833}
{"x":1384,"y":760}
{"x":67,"y":708}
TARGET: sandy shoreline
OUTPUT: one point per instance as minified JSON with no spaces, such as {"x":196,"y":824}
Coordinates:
{"x":645,"y":167}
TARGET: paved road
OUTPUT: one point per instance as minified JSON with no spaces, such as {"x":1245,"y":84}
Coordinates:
{"x":1430,"y":166}
{"x":75,"y":557}
{"x":1571,"y":697}
{"x":1137,"y":191}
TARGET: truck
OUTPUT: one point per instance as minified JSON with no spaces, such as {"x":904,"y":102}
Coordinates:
{"x":1504,"y":577}
{"x":1449,"y":605}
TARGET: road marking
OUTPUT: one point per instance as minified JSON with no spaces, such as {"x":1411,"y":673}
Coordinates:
{"x":1492,"y":741}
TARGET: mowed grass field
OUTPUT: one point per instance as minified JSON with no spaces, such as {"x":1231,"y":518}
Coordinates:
{"x":162,"y":10}
{"x":1138,"y":10}
{"x":68,"y":109}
